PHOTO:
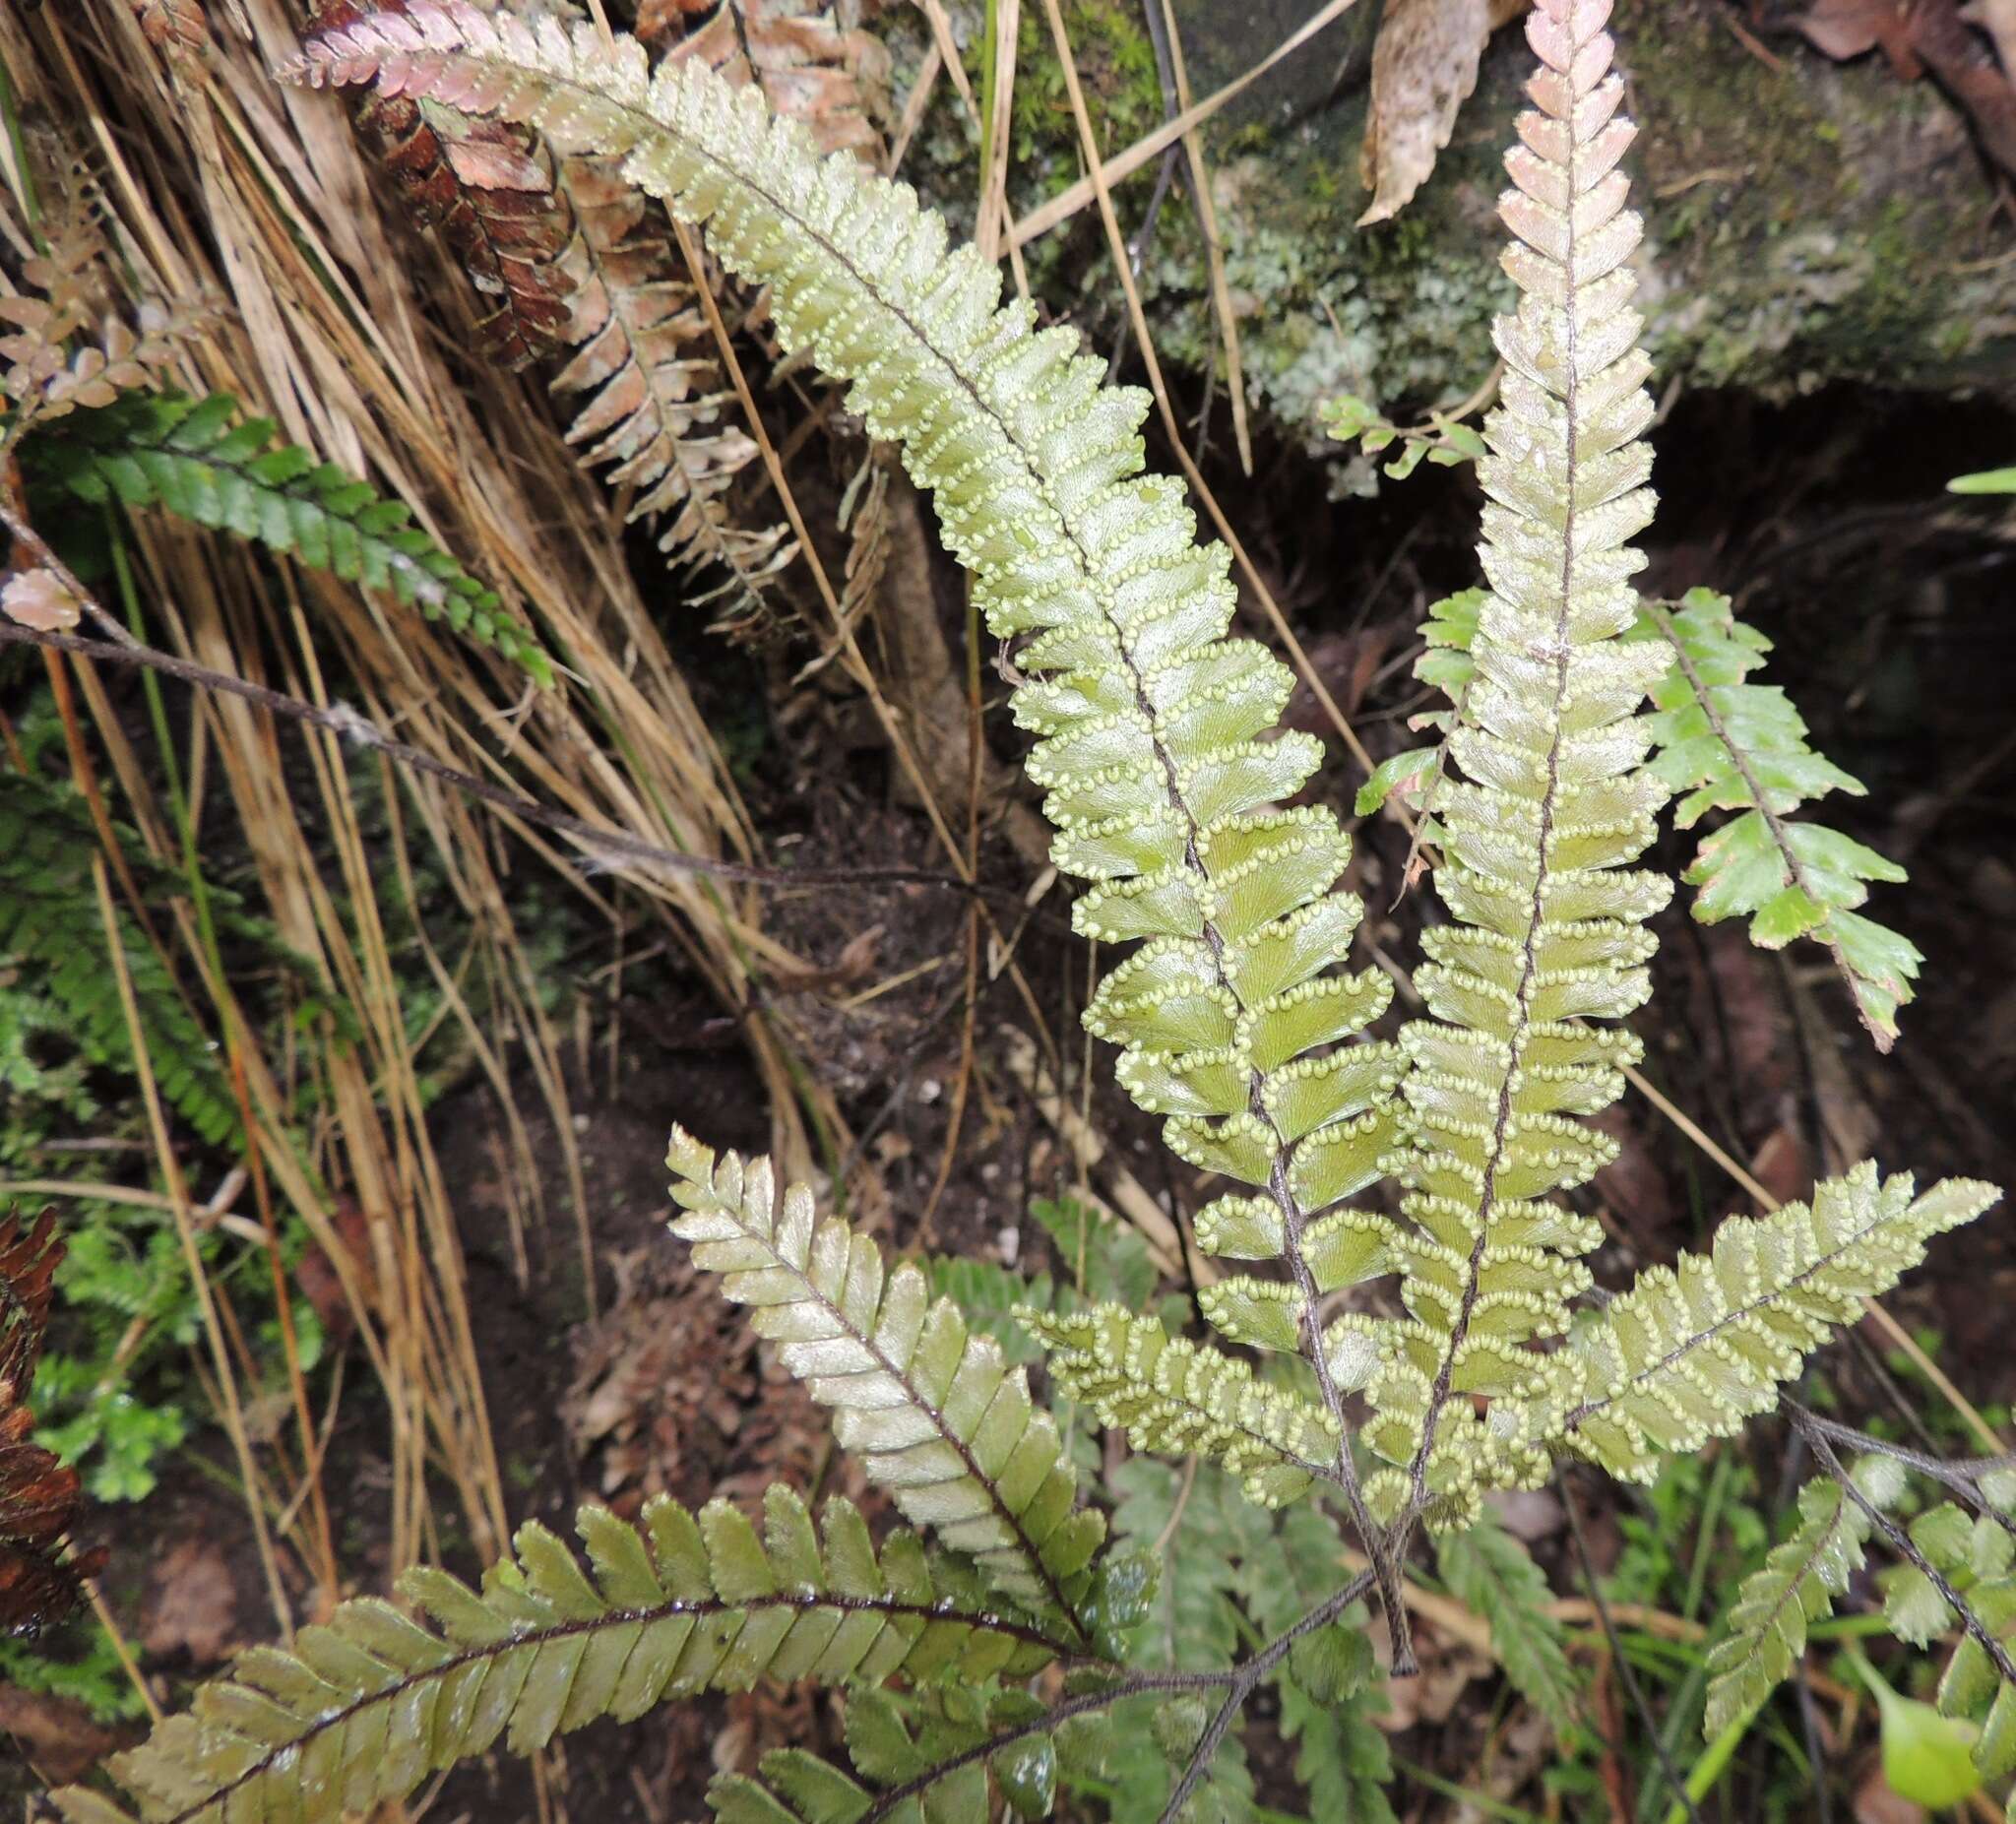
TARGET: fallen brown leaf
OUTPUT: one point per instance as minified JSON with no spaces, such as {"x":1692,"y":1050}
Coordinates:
{"x":1918,"y":35}
{"x":61,"y":1739}
{"x":191,"y":1603}
{"x":1424,"y":69}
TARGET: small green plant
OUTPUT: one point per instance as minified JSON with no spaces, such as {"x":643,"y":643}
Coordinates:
{"x":1014,"y":1642}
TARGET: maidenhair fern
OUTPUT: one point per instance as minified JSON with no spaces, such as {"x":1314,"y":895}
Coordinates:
{"x":1460,"y":1342}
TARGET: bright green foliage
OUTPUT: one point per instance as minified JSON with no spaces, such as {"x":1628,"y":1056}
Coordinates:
{"x":1795,"y":1587}
{"x":1539,"y":832}
{"x":191,"y":458}
{"x":1975,"y":1555}
{"x":1729,"y":745}
{"x":935,"y":1411}
{"x":1492,"y":1575}
{"x":1693,"y":1350}
{"x":1175,"y":1396}
{"x":50,"y":923}
{"x":1148,"y":718}
{"x":1985,"y":482}
{"x":365,"y":1708}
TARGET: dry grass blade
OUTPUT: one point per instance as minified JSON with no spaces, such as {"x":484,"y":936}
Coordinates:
{"x":1122,"y":165}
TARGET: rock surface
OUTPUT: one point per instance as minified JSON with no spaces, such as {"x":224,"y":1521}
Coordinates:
{"x":1808,"y":223}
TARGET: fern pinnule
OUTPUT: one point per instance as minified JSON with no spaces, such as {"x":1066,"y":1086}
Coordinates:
{"x":367,"y":1705}
{"x":1961,"y":1572}
{"x":1176,"y":1397}
{"x":1795,"y":1587}
{"x":932,"y":1409}
{"x":1731,"y":745}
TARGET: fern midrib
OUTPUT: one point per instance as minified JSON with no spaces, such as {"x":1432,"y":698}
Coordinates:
{"x":1501,"y":1124}
{"x":1703,"y":1337}
{"x":539,"y":1638}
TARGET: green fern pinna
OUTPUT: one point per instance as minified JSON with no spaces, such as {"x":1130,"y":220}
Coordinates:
{"x":995,"y":1649}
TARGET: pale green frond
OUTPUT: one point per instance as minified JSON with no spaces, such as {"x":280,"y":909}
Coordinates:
{"x":1731,"y":745}
{"x":1174,"y":1396}
{"x":1795,"y":1587}
{"x":1492,"y":1575}
{"x":199,"y":460}
{"x":933,"y":1411}
{"x":365,"y":1708}
{"x":1692,"y":1350}
{"x":1547,"y":807}
{"x":1155,"y":732}
{"x":1974,"y":1557}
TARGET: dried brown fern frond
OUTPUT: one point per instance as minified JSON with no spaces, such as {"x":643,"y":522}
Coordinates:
{"x":38,"y":1496}
{"x":485,"y":186}
{"x":655,"y":415}
{"x":562,"y":251}
{"x":65,"y":348}
{"x":813,"y":62}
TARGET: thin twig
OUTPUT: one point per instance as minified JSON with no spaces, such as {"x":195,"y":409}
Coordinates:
{"x":601,"y":843}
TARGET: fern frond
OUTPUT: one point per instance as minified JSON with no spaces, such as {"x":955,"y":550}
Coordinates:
{"x":1975,"y":1558}
{"x":1795,"y":1587}
{"x":1492,"y":1575}
{"x":1175,"y":1397}
{"x":61,"y":352}
{"x":1729,"y":745}
{"x":485,"y":188}
{"x":1149,"y":719}
{"x":935,"y":1411}
{"x":655,"y":413}
{"x":365,"y":1708}
{"x":49,"y":919}
{"x":1552,"y":809}
{"x":190,"y":456}
{"x":1692,"y":1350}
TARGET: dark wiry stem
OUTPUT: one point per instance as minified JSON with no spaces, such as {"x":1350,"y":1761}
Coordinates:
{"x":1907,"y":1549}
{"x":1245,"y":1677}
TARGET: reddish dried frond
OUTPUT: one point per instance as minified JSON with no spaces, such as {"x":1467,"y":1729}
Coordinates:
{"x":812,"y":61}
{"x":38,"y":1496}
